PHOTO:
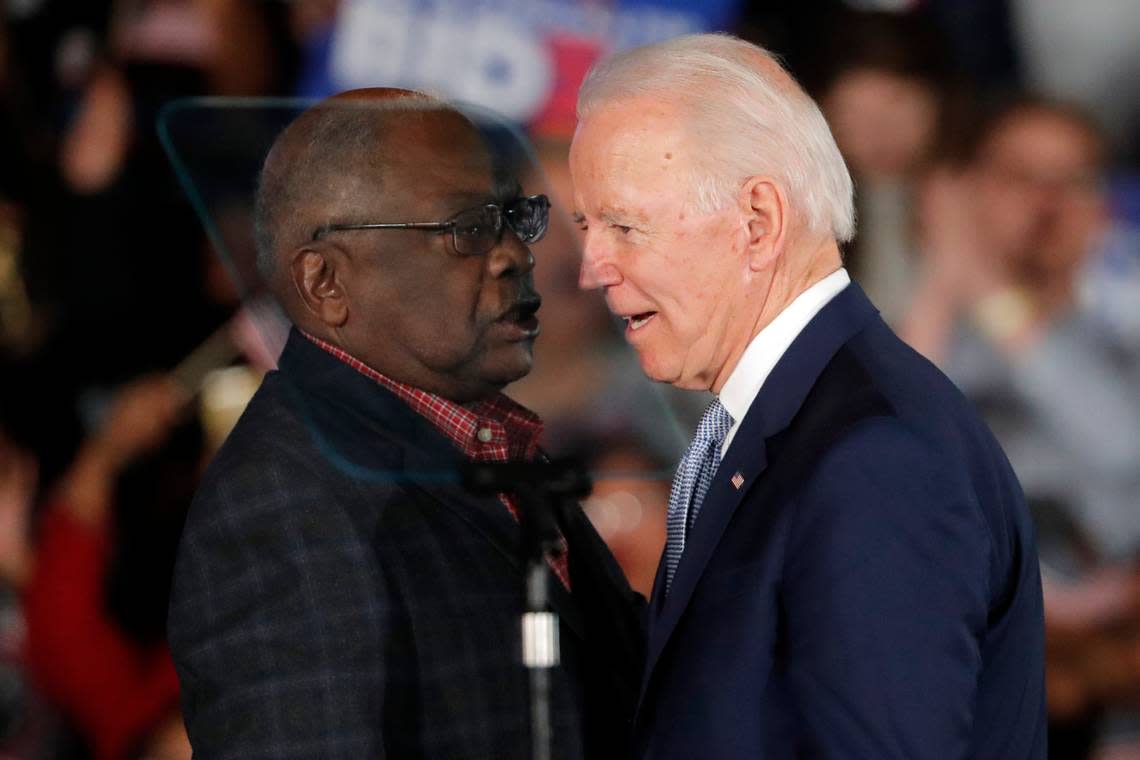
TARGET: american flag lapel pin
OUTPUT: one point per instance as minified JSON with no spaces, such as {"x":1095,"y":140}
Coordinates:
{"x":738,"y":480}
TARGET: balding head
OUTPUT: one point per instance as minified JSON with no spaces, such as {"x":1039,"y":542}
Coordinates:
{"x":321,"y":157}
{"x":354,"y":215}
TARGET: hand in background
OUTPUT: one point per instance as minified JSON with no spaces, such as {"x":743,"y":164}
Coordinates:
{"x":955,"y":254}
{"x":139,"y":419}
{"x":95,"y":146}
{"x":169,"y":740}
{"x":18,"y":473}
{"x":957,"y":268}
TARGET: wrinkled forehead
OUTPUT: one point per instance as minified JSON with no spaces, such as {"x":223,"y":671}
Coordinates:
{"x":630,"y":128}
{"x":632,"y":149}
{"x":432,"y":148}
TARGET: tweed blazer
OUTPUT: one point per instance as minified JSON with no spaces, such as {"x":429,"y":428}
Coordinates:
{"x":338,"y":595}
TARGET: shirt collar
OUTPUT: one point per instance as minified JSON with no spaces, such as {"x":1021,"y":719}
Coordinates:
{"x":765,"y":350}
{"x":495,"y":430}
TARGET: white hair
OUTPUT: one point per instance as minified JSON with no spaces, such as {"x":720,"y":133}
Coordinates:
{"x":744,"y":120}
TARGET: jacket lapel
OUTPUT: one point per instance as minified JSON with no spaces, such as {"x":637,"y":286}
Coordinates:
{"x":745,"y":461}
{"x":657,"y":595}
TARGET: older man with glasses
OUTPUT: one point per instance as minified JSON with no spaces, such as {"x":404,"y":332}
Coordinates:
{"x":337,"y":593}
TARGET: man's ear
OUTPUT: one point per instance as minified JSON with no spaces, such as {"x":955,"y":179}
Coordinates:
{"x":317,"y":280}
{"x":765,"y":208}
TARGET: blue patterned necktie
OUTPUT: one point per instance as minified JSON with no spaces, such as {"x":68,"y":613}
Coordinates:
{"x":691,"y":482}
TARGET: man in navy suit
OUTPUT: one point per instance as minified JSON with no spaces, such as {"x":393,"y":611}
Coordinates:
{"x":850,"y":569}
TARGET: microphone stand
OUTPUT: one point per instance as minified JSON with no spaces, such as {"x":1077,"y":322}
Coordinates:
{"x":542,"y":489}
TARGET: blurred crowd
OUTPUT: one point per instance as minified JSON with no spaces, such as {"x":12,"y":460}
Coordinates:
{"x":995,"y":146}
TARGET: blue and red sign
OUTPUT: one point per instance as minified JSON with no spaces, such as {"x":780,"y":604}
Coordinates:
{"x":523,"y":58}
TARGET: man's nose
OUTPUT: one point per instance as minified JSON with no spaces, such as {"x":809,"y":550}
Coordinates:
{"x":598,"y":270}
{"x":510,"y":257}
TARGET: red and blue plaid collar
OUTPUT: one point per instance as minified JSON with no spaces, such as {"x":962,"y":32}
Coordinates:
{"x":495,"y":430}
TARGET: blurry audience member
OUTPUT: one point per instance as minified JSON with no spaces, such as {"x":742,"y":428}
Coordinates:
{"x":1109,"y":287}
{"x":1005,"y":238}
{"x":884,"y":91}
{"x":35,"y":445}
{"x":21,"y":327}
{"x":1010,"y":231}
{"x":17,"y":492}
{"x":886,"y":95}
{"x":29,"y":727}
{"x":114,"y":236}
{"x":18,"y":473}
{"x":94,"y":631}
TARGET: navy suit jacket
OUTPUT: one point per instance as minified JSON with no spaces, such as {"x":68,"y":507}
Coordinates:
{"x":871,"y":588}
{"x":338,"y":594}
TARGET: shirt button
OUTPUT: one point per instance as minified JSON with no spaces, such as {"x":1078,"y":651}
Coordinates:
{"x":485,"y":435}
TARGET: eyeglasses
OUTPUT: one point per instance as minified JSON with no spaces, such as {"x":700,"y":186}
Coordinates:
{"x":475,"y":231}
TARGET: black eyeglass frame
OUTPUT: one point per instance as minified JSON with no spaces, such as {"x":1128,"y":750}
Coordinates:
{"x":501,"y":217}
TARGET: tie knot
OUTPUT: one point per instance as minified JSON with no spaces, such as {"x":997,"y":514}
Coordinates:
{"x":715,"y":423}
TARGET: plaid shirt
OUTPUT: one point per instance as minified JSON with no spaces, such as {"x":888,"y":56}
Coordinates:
{"x":496,"y":430}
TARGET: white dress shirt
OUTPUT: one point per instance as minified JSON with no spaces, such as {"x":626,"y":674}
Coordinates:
{"x":765,"y":350}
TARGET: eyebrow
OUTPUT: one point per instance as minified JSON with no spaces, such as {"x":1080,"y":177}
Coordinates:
{"x":614,"y":216}
{"x":618,"y":215}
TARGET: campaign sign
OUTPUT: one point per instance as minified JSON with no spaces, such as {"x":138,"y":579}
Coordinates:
{"x":524,"y":58}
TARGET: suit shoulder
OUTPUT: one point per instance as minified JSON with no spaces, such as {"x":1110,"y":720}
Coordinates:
{"x":274,"y":462}
{"x":879,"y":407}
{"x":844,"y":397}
{"x":271,"y":425}
{"x":893,"y":429}
{"x":877,"y":375}
{"x":911,"y":383}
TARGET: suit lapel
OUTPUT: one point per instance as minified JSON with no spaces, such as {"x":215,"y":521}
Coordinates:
{"x":745,"y":461}
{"x":657,"y":595}
{"x":719,"y":505}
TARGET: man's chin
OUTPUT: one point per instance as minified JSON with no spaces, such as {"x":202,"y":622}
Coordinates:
{"x":671,"y":375}
{"x":654,"y":369}
{"x":511,"y":368}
